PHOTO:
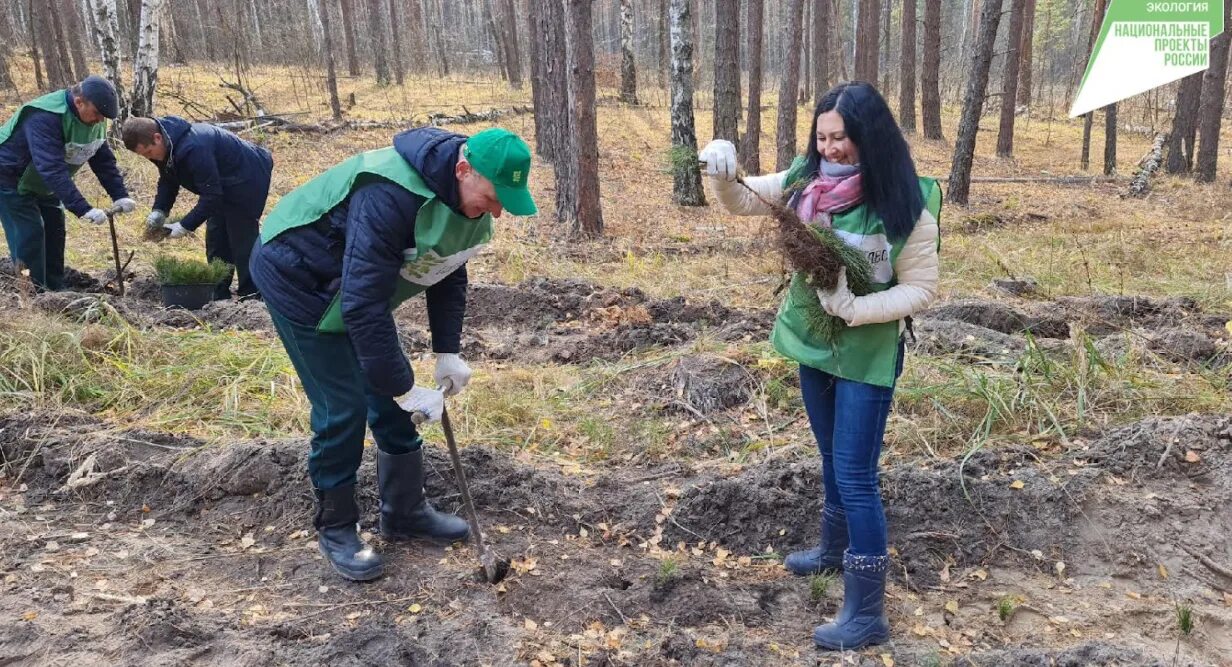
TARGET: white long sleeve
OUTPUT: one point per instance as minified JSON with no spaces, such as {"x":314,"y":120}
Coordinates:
{"x":737,"y":198}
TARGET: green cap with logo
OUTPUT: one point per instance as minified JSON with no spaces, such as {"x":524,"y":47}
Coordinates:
{"x":503,"y":158}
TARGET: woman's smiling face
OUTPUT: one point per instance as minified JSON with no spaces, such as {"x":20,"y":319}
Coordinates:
{"x":832,"y":140}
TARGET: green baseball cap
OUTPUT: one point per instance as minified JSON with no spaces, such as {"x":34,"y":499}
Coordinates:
{"x":503,"y":158}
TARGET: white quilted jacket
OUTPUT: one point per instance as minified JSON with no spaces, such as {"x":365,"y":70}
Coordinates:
{"x":916,"y":269}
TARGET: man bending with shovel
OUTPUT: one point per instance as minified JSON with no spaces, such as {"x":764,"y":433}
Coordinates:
{"x":335,"y":257}
{"x":41,"y":148}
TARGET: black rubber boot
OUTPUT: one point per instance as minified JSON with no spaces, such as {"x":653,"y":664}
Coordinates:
{"x":826,"y":558}
{"x":337,"y":524}
{"x":862,"y":620}
{"x":405,"y":513}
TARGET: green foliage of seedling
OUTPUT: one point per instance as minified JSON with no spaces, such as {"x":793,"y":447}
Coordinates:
{"x":175,"y":271}
{"x":1184,"y":618}
{"x":1005,"y":608}
{"x":681,"y":160}
{"x":669,"y":570}
{"x":819,"y":584}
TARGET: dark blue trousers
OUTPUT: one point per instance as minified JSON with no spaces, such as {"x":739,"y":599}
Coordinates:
{"x":34,"y":231}
{"x":342,"y":404}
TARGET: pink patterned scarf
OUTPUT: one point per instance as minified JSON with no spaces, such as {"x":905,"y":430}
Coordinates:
{"x":832,"y":192}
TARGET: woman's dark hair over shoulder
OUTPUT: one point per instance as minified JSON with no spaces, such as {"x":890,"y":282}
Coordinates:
{"x":887,"y":172}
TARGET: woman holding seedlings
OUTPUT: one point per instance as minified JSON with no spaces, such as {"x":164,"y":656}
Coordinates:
{"x":857,"y":179}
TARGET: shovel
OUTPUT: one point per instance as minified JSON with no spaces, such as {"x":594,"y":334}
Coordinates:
{"x":115,"y":248}
{"x":494,"y":569}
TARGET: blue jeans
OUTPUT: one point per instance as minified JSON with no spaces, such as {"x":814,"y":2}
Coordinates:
{"x":848,"y":420}
{"x":342,"y":404}
{"x":34,"y":230}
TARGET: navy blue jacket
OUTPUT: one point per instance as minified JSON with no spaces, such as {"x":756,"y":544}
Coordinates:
{"x":357,"y":247}
{"x":219,"y":167}
{"x":39,"y":138}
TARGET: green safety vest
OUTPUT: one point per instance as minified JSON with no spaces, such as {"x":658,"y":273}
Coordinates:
{"x":81,"y":141}
{"x":867,"y":353}
{"x":444,"y":239}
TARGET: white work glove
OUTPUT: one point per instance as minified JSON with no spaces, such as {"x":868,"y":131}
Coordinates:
{"x":452,"y":374}
{"x":96,"y":216}
{"x":840,"y":301}
{"x":428,"y":402}
{"x":177,"y":230}
{"x":126,"y":205}
{"x":155,"y":219}
{"x":720,"y":158}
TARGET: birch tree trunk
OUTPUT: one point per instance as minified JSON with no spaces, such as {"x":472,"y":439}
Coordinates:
{"x":628,"y":66}
{"x":145,"y":65}
{"x":973,"y":103}
{"x":686,"y":181}
{"x":107,"y":35}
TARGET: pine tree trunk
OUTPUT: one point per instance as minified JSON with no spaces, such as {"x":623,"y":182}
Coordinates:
{"x":1210,"y":109}
{"x":821,"y":49}
{"x":145,"y":65}
{"x":395,"y":31}
{"x":1182,"y":139}
{"x":806,"y":67}
{"x":348,"y":33}
{"x":727,"y":70}
{"x":418,"y":43}
{"x":539,"y":85}
{"x":376,"y":26}
{"x":868,"y":47}
{"x":107,"y":35}
{"x":1009,"y":97}
{"x":513,"y":49}
{"x":1110,"y":139}
{"x":665,"y":43}
{"x":45,"y":36}
{"x":438,"y":40}
{"x":76,"y":37}
{"x":1026,"y":54}
{"x":553,"y":122}
{"x":750,"y":151}
{"x":686,"y":180}
{"x":906,"y":88}
{"x":6,"y":77}
{"x":628,"y":67}
{"x":498,"y":42}
{"x":589,"y":216}
{"x":785,"y":138}
{"x":973,"y":103}
{"x":930,"y":75}
{"x":884,"y":51}
{"x":68,"y":77}
{"x":1097,"y":18}
{"x":331,"y":71}
{"x":35,"y":36}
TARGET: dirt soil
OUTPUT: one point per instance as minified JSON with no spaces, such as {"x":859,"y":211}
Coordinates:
{"x":123,"y":546}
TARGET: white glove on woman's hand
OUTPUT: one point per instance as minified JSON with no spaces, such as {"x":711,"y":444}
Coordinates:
{"x":452,"y":374}
{"x":428,"y":402}
{"x":720,"y":158}
{"x":840,"y":301}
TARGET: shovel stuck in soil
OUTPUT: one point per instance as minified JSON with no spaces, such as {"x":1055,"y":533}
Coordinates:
{"x":494,"y":569}
{"x":115,"y":249}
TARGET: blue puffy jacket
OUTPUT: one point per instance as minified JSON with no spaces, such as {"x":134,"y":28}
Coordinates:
{"x":39,"y":139}
{"x":223,"y":170}
{"x":357,"y":247}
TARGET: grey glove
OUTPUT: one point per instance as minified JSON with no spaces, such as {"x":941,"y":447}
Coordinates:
{"x":177,"y":230}
{"x":96,"y":216}
{"x":155,"y":219}
{"x":126,"y":205}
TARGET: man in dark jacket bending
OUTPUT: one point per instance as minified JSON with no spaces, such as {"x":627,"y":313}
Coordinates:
{"x":230,"y":176}
{"x":336,"y":256}
{"x":41,"y":148}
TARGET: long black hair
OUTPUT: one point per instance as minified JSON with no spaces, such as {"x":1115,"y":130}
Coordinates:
{"x":887,"y":172}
